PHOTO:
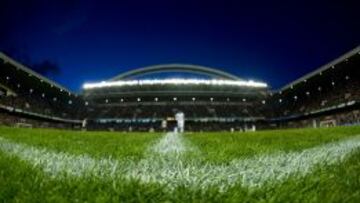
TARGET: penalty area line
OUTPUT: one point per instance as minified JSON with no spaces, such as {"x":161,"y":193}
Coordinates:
{"x":171,"y":143}
{"x":251,"y":172}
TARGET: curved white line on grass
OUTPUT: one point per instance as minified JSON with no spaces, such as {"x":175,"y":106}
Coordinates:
{"x":173,"y":172}
{"x":251,"y":172}
{"x":58,"y":163}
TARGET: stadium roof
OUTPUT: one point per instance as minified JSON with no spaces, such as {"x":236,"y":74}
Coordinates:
{"x":215,"y":73}
{"x":322,"y":68}
{"x":18,"y":65}
{"x":219,"y":78}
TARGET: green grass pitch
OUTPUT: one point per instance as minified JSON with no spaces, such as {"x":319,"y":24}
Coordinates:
{"x":300,"y":165}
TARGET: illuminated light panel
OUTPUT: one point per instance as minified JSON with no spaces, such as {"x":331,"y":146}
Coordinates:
{"x":241,"y":83}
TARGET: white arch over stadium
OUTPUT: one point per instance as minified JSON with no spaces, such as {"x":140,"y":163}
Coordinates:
{"x":218,"y":77}
{"x":215,"y":73}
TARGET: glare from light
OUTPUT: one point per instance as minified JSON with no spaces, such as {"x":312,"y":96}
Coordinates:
{"x":176,"y":81}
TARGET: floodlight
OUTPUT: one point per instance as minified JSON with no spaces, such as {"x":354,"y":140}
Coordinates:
{"x":175,"y":81}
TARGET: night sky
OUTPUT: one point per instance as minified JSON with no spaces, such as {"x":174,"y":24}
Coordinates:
{"x":75,"y":41}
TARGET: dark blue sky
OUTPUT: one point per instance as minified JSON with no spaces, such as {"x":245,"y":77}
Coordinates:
{"x":275,"y":42}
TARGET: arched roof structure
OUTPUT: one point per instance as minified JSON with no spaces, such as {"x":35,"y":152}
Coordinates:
{"x":215,"y":73}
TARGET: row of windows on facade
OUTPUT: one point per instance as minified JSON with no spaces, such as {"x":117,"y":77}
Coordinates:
{"x":308,"y":93}
{"x":31,"y":90}
{"x":175,"y":99}
{"x":156,"y":99}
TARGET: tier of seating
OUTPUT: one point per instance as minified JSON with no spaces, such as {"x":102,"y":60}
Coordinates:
{"x":247,"y":110}
{"x":331,"y":94}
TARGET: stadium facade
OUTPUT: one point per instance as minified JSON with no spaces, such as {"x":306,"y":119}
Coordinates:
{"x":216,"y":100}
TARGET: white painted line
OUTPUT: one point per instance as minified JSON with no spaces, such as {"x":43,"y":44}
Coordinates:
{"x":174,"y":171}
{"x":171,"y":143}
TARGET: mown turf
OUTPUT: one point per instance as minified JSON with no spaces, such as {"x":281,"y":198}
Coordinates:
{"x":22,"y":182}
{"x":224,"y":147}
{"x":96,"y":144}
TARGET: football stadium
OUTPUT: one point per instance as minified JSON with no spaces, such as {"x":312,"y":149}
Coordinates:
{"x":211,"y":136}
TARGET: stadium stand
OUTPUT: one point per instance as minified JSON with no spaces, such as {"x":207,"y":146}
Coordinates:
{"x":123,"y":100}
{"x":327,"y":96}
{"x":33,"y":98}
{"x":329,"y":93}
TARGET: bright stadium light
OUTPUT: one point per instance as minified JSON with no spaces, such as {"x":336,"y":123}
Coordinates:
{"x":176,"y":81}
